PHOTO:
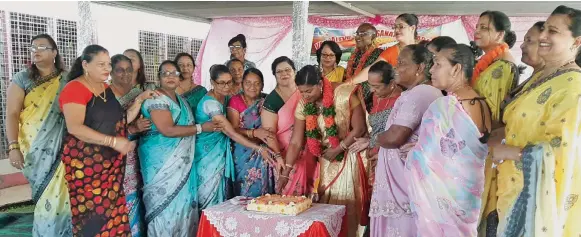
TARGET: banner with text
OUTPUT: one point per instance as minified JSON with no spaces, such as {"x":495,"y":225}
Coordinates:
{"x":344,"y":37}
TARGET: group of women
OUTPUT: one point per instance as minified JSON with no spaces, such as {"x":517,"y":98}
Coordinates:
{"x":420,"y":139}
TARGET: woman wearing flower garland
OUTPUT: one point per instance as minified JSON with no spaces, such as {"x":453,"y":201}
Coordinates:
{"x":445,"y":169}
{"x":390,"y":208}
{"x":278,"y":117}
{"x":495,"y":75}
{"x":329,"y":120}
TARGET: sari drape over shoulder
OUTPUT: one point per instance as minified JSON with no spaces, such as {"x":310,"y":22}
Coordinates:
{"x":538,"y":196}
{"x":495,"y":84}
{"x":337,"y":75}
{"x":213,"y":159}
{"x":254,"y":177}
{"x":390,"y":210}
{"x":169,"y":191}
{"x":41,"y":131}
{"x":133,"y":183}
{"x":446,"y":171}
{"x":344,"y":182}
{"x":194,"y":96}
{"x":302,"y":177}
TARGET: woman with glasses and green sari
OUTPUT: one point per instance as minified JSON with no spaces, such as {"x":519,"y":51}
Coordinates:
{"x":213,"y":160}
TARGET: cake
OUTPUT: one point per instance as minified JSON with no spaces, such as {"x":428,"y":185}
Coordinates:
{"x":280,"y":204}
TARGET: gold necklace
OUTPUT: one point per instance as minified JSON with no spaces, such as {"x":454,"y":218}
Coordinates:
{"x":104,"y":97}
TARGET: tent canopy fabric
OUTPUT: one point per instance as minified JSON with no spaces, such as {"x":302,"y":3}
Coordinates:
{"x":204,"y":11}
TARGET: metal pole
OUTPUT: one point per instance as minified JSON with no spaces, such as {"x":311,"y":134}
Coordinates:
{"x":300,"y":48}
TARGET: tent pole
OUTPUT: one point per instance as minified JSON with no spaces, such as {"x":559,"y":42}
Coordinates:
{"x":300,"y":47}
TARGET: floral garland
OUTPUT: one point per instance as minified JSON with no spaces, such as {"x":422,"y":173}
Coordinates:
{"x":312,"y":132}
{"x":485,"y":61}
{"x":361,"y":62}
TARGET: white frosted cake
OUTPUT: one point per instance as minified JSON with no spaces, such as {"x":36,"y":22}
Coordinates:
{"x":274,"y":203}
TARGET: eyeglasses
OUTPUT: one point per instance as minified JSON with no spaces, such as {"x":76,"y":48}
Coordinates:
{"x":327,"y":55}
{"x":287,"y":71}
{"x":224,"y":84}
{"x":362,"y":34}
{"x":34,"y":48}
{"x":168,"y":74}
{"x":234,"y":47}
{"x":123,"y":71}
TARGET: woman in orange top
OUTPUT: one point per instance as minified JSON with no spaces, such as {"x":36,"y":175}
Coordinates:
{"x":405,"y":30}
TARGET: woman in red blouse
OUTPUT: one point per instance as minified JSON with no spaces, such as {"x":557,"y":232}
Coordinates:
{"x":95,"y":146}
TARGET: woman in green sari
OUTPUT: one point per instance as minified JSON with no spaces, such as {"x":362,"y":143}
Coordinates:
{"x":187,"y":88}
{"x":35,"y":129}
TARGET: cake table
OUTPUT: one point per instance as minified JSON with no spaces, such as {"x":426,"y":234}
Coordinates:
{"x":232,"y":219}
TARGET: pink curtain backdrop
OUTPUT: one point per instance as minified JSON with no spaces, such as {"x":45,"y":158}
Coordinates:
{"x":279,"y":26}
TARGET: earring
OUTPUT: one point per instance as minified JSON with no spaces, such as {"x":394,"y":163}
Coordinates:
{"x":417,"y":74}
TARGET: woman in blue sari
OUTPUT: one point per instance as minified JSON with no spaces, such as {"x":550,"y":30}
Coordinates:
{"x":166,"y":155}
{"x":254,"y":177}
{"x":213,"y":159}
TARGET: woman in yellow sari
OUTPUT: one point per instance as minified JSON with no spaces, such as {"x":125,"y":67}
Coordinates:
{"x":331,"y":119}
{"x":495,"y":75}
{"x":35,"y":129}
{"x":541,"y":175}
{"x":328,"y":57}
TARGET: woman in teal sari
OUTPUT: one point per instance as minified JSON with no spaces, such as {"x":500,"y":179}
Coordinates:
{"x":254,"y":176}
{"x":187,"y":88}
{"x":213,"y":159}
{"x":166,"y":154}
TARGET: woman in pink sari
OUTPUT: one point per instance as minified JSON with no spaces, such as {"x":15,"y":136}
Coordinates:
{"x":445,"y":169}
{"x":390,"y":207}
{"x":278,"y":116}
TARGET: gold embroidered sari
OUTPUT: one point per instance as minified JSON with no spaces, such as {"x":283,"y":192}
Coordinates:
{"x":344,"y":182}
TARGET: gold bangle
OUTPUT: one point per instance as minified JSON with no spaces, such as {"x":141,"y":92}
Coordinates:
{"x":289,"y":165}
{"x":13,"y":142}
{"x":284,"y":176}
{"x":343,"y":146}
{"x":13,"y":146}
{"x":114,"y":141}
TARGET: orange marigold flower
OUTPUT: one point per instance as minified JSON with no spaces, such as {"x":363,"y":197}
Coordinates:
{"x":329,"y":121}
{"x":311,"y":122}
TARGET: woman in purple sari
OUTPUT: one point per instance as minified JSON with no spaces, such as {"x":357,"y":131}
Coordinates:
{"x":390,"y":208}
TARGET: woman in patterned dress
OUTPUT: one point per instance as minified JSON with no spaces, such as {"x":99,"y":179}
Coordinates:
{"x":126,"y":93}
{"x":254,"y":174}
{"x":390,"y":210}
{"x":95,"y":146}
{"x":542,"y":139}
{"x":445,"y":168}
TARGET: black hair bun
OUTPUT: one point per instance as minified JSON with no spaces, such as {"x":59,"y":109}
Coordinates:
{"x":510,"y":38}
